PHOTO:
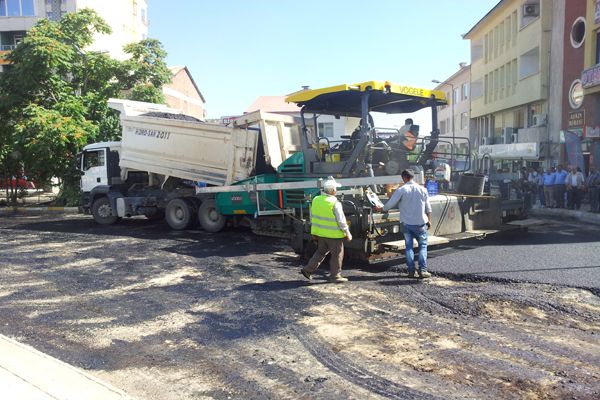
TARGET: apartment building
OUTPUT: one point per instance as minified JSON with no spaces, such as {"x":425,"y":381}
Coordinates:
{"x":454,"y":118}
{"x":127,"y":18}
{"x":514,"y":122}
{"x":586,"y":35}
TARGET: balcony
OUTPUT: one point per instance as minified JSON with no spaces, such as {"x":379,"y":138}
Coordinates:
{"x":7,"y":47}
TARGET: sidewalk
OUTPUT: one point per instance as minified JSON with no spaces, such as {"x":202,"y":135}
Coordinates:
{"x":37,"y":202}
{"x":563,"y":213}
{"x":27,"y":374}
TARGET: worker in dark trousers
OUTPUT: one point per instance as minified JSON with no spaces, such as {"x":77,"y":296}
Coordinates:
{"x":330,"y":229}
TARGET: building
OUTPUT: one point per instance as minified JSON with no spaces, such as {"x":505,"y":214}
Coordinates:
{"x":328,"y":125}
{"x":515,"y":99}
{"x":454,"y":118}
{"x":586,"y":32}
{"x":183,"y":93}
{"x":127,"y":18}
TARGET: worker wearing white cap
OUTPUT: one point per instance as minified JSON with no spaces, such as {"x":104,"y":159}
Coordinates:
{"x":329,"y":228}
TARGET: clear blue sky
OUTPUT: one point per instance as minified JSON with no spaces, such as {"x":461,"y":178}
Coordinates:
{"x":238,"y":50}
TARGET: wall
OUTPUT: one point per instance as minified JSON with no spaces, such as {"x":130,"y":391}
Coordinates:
{"x":181,"y":93}
{"x":128,"y":19}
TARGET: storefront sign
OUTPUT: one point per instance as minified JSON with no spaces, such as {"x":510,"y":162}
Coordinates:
{"x":514,"y":151}
{"x":576,"y":119}
{"x":591,"y":77}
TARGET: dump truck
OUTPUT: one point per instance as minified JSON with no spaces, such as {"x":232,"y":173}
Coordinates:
{"x":263,"y":170}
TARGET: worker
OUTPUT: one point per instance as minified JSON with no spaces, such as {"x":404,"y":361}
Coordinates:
{"x":329,"y":228}
{"x":407,"y":134}
{"x":415,"y":214}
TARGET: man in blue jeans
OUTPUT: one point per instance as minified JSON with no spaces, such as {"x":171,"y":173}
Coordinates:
{"x":415,"y":213}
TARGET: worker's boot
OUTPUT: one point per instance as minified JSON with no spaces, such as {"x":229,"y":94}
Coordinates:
{"x":306,"y":274}
{"x":337,"y":279}
{"x":424,"y":274}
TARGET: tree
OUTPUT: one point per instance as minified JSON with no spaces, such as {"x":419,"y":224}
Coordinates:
{"x":53,"y":98}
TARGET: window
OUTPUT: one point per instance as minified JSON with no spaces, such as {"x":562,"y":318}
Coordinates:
{"x":456,"y":97}
{"x":17,"y":8}
{"x":464,"y":91}
{"x":486,"y":88}
{"x":502,"y":82}
{"x":529,"y":63}
{"x":514,"y":27}
{"x":17,"y":39}
{"x":578,"y":32}
{"x":508,"y":27}
{"x":443,"y":127}
{"x":501,"y":38}
{"x":143,"y":15}
{"x":464,"y":120}
{"x":93,"y":159}
{"x":326,"y":129}
{"x":597,"y":47}
{"x":514,"y":75}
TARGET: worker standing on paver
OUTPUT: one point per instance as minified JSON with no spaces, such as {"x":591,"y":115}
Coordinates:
{"x":330,"y":229}
{"x":415,"y":213}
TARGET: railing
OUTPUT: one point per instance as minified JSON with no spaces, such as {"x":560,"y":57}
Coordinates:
{"x":7,"y":47}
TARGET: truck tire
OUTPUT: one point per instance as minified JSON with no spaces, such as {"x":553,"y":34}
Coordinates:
{"x":179,"y":214}
{"x":102,"y":211}
{"x":209,"y":217}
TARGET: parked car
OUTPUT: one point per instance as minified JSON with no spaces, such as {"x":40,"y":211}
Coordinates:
{"x":14,"y":183}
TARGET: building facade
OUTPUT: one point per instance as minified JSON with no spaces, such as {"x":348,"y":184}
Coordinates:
{"x":183,"y":93}
{"x":127,"y":18}
{"x":454,"y":118}
{"x":590,"y":79}
{"x":511,"y":86}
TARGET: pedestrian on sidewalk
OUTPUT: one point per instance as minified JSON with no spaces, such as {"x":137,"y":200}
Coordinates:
{"x":415,"y":213}
{"x":540,"y":187}
{"x":574,"y":185}
{"x":592,"y":185}
{"x":329,"y":228}
{"x":560,"y":186}
{"x":549,"y":177}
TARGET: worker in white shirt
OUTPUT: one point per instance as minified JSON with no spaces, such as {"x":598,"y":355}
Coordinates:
{"x":415,"y":213}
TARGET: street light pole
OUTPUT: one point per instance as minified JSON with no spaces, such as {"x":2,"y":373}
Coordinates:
{"x":451,"y":118}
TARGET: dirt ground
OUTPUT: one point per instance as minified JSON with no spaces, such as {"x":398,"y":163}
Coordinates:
{"x":191,"y":315}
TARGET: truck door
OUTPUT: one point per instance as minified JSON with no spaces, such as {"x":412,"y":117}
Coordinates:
{"x":94,"y":169}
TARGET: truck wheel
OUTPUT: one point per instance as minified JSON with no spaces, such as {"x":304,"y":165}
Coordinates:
{"x":102,"y":211}
{"x":178,"y":214}
{"x":209,"y":217}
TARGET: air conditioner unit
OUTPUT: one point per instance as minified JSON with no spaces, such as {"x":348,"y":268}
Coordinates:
{"x":507,"y":135}
{"x":531,"y":10}
{"x":539,"y":119}
{"x":514,"y":138}
{"x":486,"y":141}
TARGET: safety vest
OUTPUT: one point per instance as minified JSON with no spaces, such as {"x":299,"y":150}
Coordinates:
{"x":323,"y":222}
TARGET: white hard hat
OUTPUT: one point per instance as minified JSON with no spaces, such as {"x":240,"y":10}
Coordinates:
{"x":330,"y":184}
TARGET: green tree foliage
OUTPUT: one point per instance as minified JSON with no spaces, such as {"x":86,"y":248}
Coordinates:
{"x":53,"y":97}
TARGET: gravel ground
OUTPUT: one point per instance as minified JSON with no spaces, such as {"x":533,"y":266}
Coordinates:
{"x":165,"y":315}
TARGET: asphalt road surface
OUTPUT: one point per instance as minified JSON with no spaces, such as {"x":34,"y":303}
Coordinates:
{"x":553,"y":252}
{"x":192,"y":315}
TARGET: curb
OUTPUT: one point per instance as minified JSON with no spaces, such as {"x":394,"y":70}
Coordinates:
{"x":50,"y":377}
{"x":582,"y":216}
{"x":39,"y":210}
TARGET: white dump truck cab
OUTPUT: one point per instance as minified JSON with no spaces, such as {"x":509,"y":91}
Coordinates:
{"x":99,"y":165}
